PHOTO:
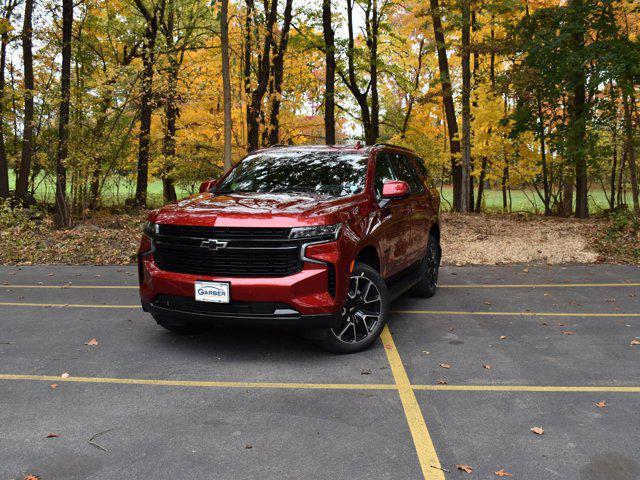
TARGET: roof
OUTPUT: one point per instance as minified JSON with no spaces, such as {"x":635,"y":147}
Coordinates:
{"x":351,"y":148}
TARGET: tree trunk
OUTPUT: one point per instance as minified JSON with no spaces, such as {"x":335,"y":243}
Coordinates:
{"x":372,"y":41}
{"x":62,"y":214}
{"x":22,"y":182}
{"x":543,"y":160}
{"x":466,"y":105}
{"x":4,"y":164}
{"x":449,"y":108}
{"x":631,"y":150}
{"x":170,"y":107}
{"x":329,"y":75}
{"x":481,"y":182}
{"x":254,"y":105}
{"x":146,"y":106}
{"x":577,"y":121}
{"x":567,"y":197}
{"x":278,"y":75}
{"x":226,"y":82}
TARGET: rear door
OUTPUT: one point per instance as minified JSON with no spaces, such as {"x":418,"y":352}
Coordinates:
{"x":424,"y":211}
{"x":394,"y":231}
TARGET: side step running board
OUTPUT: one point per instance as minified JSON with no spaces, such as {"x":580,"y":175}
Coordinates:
{"x":401,"y":286}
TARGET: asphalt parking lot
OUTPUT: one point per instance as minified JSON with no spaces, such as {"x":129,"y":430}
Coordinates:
{"x":525,"y":347}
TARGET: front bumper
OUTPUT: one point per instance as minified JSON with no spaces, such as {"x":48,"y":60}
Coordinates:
{"x":180,"y":310}
{"x":298,"y":300}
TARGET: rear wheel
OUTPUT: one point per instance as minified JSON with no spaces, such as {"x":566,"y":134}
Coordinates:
{"x":429,"y":268}
{"x":364,"y":312}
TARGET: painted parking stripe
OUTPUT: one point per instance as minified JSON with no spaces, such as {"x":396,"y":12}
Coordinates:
{"x":206,"y":384}
{"x":324,"y":386}
{"x":429,"y":462}
{"x":529,"y":388}
{"x":516,"y":314}
{"x":459,"y":286}
{"x":540,"y":285}
{"x":409,"y":312}
{"x":64,"y":305}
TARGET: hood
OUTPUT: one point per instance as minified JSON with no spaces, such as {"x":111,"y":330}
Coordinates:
{"x":252,"y":209}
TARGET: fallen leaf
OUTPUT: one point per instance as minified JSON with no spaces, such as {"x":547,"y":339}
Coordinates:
{"x":487,"y":302}
{"x":388,"y":347}
{"x":635,"y":341}
{"x":31,"y":477}
{"x":442,"y":382}
{"x":53,"y":435}
{"x":464,"y":468}
{"x":538,"y":430}
{"x":365,"y":371}
{"x":525,"y":270}
{"x":502,"y":473}
{"x":53,"y":386}
{"x":503,"y":337}
{"x":92,"y":343}
{"x":601,"y":404}
{"x":445,"y":365}
{"x":452,"y":329}
{"x":426,"y":353}
{"x":568,"y":332}
{"x":65,"y":375}
{"x":248,"y":446}
{"x":487,"y":366}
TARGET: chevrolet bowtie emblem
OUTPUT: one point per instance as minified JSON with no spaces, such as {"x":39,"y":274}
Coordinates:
{"x":213,"y":244}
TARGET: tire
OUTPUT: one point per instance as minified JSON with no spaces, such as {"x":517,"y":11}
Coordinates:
{"x":429,"y":267}
{"x":182,"y":328}
{"x":364,"y":312}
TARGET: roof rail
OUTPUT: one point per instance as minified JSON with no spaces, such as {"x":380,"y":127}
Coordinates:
{"x":382,"y":144}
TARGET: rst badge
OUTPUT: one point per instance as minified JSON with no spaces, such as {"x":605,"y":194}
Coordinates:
{"x":215,"y":292}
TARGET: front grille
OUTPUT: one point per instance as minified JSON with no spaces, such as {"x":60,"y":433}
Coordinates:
{"x":259,"y":252}
{"x":187,"y":304}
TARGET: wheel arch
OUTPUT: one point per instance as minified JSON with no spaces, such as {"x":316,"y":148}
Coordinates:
{"x":369,"y":256}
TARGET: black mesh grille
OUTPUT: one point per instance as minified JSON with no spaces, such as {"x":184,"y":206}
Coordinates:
{"x":331,"y":280}
{"x":260,"y":252}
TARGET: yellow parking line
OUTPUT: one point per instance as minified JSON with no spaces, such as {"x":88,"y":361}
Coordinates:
{"x":68,"y":286}
{"x":460,"y":286}
{"x":63,"y":305}
{"x":540,"y":285}
{"x":209,"y":384}
{"x":516,"y":314}
{"x":528,"y":388}
{"x":427,"y":455}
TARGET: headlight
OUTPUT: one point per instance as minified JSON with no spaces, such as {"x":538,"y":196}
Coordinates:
{"x":151,"y":228}
{"x":322,"y":231}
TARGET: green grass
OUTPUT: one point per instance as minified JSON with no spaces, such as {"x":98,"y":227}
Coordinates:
{"x":115,"y":194}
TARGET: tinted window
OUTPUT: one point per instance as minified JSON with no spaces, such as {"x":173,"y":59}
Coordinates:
{"x":384,"y":172}
{"x":421,"y":171}
{"x":404,"y":171}
{"x":329,"y":173}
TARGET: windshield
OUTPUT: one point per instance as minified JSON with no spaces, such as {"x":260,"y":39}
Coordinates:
{"x":329,"y":173}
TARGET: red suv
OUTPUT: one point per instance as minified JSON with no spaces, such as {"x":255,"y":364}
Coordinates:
{"x":316,"y":237}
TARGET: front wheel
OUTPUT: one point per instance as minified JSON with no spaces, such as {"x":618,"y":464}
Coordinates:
{"x":364,"y":312}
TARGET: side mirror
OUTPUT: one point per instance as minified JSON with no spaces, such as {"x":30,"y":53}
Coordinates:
{"x":395,"y":189}
{"x":207,"y":185}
